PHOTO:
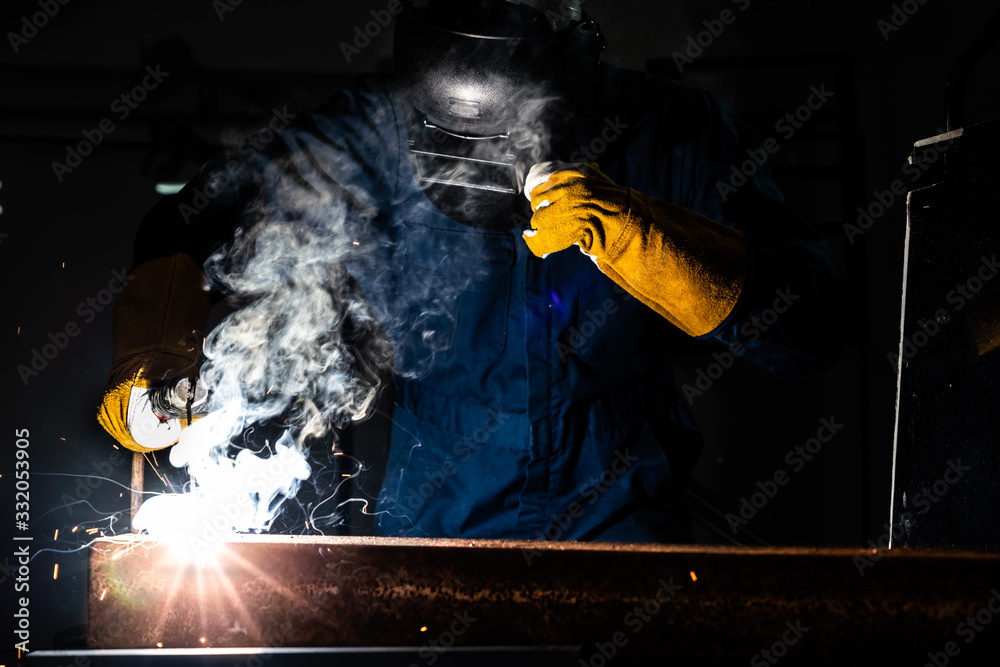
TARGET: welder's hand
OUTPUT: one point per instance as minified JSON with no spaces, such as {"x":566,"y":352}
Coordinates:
{"x":576,"y":204}
{"x":126,"y":412}
{"x":158,"y":320}
{"x":688,"y":268}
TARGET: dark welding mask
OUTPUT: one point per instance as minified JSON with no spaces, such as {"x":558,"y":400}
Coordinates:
{"x":486,"y":80}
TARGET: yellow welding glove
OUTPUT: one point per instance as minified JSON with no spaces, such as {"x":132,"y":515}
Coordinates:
{"x":688,"y":268}
{"x":157,"y":324}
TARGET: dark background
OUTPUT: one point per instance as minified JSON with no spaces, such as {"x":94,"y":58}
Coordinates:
{"x":61,"y":242}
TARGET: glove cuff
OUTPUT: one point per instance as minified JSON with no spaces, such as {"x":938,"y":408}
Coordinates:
{"x":688,"y":268}
{"x":160,"y":315}
{"x":158,"y":322}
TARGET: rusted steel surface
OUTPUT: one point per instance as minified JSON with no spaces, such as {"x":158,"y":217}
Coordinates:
{"x":643,"y":601}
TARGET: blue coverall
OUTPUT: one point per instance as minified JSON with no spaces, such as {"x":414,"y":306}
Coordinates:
{"x":548,"y":410}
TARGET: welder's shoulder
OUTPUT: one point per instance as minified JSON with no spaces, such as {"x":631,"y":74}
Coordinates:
{"x":369,"y":98}
{"x":641,"y":95}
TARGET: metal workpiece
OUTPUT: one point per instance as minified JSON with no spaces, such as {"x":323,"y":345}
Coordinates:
{"x":637,"y":600}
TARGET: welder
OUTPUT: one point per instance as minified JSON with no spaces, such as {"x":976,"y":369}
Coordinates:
{"x":551,"y":412}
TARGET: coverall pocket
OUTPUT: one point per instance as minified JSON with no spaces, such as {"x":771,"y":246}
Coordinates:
{"x":611,"y":323}
{"x":460,"y":280}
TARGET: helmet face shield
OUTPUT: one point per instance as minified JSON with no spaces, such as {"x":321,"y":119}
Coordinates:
{"x":470,"y":75}
{"x":493,"y":18}
{"x":468,"y":65}
{"x":560,"y":14}
{"x":483,"y":18}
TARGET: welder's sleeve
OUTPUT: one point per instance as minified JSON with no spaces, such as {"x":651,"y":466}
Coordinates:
{"x":695,"y":227}
{"x":686,"y":267}
{"x":158,"y":322}
{"x":336,"y":160}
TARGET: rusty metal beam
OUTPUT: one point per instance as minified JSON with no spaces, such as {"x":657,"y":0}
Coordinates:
{"x":644,"y":601}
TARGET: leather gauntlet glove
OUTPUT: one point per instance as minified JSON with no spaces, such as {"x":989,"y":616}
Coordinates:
{"x":158,"y":322}
{"x":688,"y":268}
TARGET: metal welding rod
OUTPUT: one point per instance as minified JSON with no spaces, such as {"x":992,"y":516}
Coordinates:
{"x":138,"y":471}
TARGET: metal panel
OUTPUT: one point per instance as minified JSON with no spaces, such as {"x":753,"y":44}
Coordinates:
{"x":946,"y":468}
{"x":644,"y":601}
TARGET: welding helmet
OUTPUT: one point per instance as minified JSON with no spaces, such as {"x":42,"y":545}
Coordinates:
{"x":466,"y":63}
{"x":470,"y":67}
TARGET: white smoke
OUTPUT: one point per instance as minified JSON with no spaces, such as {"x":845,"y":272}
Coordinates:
{"x":303,"y":349}
{"x":307,"y":347}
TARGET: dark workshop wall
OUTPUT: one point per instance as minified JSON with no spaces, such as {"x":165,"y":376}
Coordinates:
{"x":230,"y":64}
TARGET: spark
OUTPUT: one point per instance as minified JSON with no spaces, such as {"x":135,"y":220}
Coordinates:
{"x":63,"y":439}
{"x":19,"y":331}
{"x":57,"y":535}
{"x":166,"y":482}
{"x":423,"y":628}
{"x":202,"y":640}
{"x":64,"y":265}
{"x":356,"y":243}
{"x":103,"y":593}
{"x":159,"y":644}
{"x":74,"y":529}
{"x":694,"y":577}
{"x":55,"y":572}
{"x":269,"y":390}
{"x":345,"y":474}
{"x":338,"y":453}
{"x":131,"y":546}
{"x":91,"y":531}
